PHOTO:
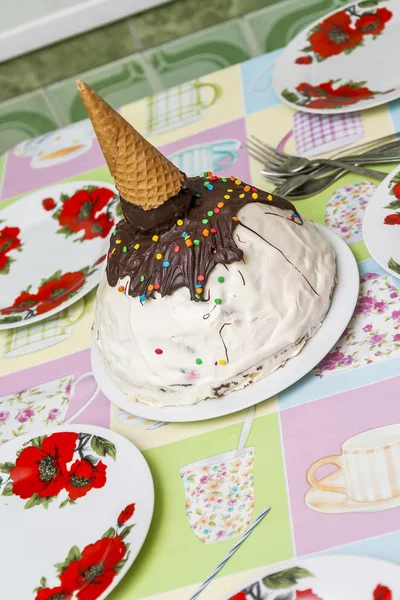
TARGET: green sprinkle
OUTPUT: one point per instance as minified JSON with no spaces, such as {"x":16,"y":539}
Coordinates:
{"x":210,"y":213}
{"x":197,"y":296}
{"x":115,"y":232}
{"x":224,"y":179}
{"x":198,"y":361}
{"x":206,"y":183}
{"x":205,"y":174}
{"x":196,"y":242}
{"x":142,"y":278}
{"x":217,"y":300}
{"x":205,"y":221}
{"x":221,"y":279}
{"x":124,"y":249}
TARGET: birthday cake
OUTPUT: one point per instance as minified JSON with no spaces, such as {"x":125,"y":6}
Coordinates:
{"x":210,"y":283}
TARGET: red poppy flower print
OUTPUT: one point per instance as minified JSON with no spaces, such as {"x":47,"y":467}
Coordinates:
{"x":396,"y":190}
{"x":43,"y":470}
{"x":393,"y":219}
{"x":56,"y":291}
{"x":57,"y":593}
{"x":90,"y":576}
{"x":239,"y":596}
{"x":381,"y":592}
{"x":48,"y":203}
{"x":126,"y":514}
{"x":325,"y":96}
{"x":81,"y":211}
{"x":303,"y":60}
{"x":83,"y":476}
{"x":306,"y":595}
{"x":334,"y":35}
{"x":9,"y":240}
{"x":373,"y":23}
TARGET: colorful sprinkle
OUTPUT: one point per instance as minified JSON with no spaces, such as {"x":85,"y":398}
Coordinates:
{"x":179,"y":222}
{"x":222,"y":362}
{"x":155,"y":238}
{"x":209,"y":173}
{"x":205,"y":174}
{"x":246,"y":188}
{"x":210,"y":213}
{"x":176,"y":248}
{"x":166,"y":264}
{"x":238,"y":181}
{"x":121,"y":288}
{"x":205,"y":232}
{"x":143,"y":298}
{"x":188,"y":243}
{"x":150,"y":287}
{"x":235,"y":219}
{"x":291,"y":217}
{"x":210,"y":187}
{"x":221,"y":279}
{"x":200,"y":277}
{"x":224,"y":179}
{"x":213,"y":230}
{"x":197,"y":296}
{"x":115,"y":232}
{"x":230,"y":190}
{"x":198,"y":361}
{"x":196,"y":242}
{"x":216,"y":210}
{"x":112,"y":251}
{"x":142,"y":278}
{"x":232,"y":178}
{"x":227,"y":196}
{"x":157,"y":286}
{"x":254,"y":196}
{"x":184,"y":234}
{"x":158,"y":256}
{"x":205,"y":221}
{"x":199,"y":290}
{"x":136,"y":246}
{"x":109,"y":254}
{"x":253,"y":189}
{"x":242,"y":195}
{"x":218,"y":301}
{"x":269,"y":197}
{"x":117,"y":241}
{"x":124,"y":249}
{"x":158,"y":351}
{"x":220,"y":205}
{"x":213,"y":178}
{"x":198,"y":285}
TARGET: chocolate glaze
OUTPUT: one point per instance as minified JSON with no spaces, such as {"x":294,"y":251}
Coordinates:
{"x":191,"y":205}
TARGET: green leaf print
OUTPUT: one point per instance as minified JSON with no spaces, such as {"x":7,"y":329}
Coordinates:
{"x":6,"y":467}
{"x":8,"y":489}
{"x":109,"y":533}
{"x":126,"y":531}
{"x":103,"y":447}
{"x":392,"y":264}
{"x":286,"y":578}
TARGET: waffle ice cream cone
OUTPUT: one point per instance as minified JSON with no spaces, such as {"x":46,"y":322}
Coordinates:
{"x":142,"y":175}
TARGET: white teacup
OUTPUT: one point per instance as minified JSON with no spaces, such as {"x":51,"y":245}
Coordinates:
{"x":219,"y":495}
{"x":371,"y":466}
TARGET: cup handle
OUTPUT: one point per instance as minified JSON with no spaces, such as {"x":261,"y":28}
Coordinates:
{"x":80,"y":410}
{"x":217,"y":93}
{"x":327,"y":460}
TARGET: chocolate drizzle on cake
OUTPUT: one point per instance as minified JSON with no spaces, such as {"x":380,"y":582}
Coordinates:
{"x":179,"y":243}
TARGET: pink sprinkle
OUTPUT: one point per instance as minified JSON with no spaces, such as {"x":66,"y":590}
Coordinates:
{"x":253,"y":189}
{"x":200,"y":277}
{"x":216,"y":210}
{"x":213,"y":230}
{"x":176,"y":249}
{"x":157,"y":286}
{"x":214,"y":178}
{"x":109,"y":254}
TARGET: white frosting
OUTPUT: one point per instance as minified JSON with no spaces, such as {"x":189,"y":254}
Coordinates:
{"x":268,"y":310}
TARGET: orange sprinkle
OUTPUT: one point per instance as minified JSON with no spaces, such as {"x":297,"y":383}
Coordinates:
{"x":246,"y":188}
{"x":232,"y":178}
{"x":188,"y":243}
{"x":269,"y":197}
{"x":209,"y":173}
{"x":235,"y":219}
{"x":220,"y":205}
{"x":205,"y":232}
{"x":242,"y":195}
{"x":199,"y":290}
{"x":254,"y":196}
{"x":238,"y":181}
{"x":150,"y":287}
{"x":121,"y":288}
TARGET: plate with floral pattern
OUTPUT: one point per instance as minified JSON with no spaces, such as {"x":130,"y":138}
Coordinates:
{"x":334,"y":577}
{"x":381,"y":225}
{"x":83,"y":499}
{"x":52,"y":244}
{"x":345,"y":61}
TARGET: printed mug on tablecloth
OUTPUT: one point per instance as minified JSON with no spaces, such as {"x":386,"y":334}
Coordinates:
{"x":219,"y":495}
{"x":318,"y":134}
{"x":371,"y":464}
{"x":215,"y":156}
{"x":44,"y":405}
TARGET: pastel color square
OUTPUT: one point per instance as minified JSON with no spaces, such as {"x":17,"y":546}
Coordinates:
{"x":257,"y":82}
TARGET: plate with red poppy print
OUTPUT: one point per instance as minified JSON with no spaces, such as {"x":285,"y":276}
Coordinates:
{"x":52,"y":244}
{"x":76,"y":504}
{"x":333,"y":577}
{"x":381,"y":224}
{"x":345,"y":61}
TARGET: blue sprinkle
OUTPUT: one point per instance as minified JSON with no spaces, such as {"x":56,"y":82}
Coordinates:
{"x":198,"y":285}
{"x":143,"y":298}
{"x":210,"y":187}
{"x":294,"y":214}
{"x":197,"y":195}
{"x":166,"y":263}
{"x":184,"y":234}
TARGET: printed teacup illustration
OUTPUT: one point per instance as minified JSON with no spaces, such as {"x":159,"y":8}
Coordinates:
{"x":345,"y":210}
{"x":367,"y":478}
{"x":219,"y":491}
{"x":218,"y":155}
{"x":373,"y":333}
{"x":44,"y":405}
{"x":181,"y":105}
{"x":318,"y":134}
{"x":44,"y":334}
{"x":126,"y":418}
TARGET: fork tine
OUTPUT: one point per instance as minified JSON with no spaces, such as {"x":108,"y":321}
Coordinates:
{"x":268,"y":152}
{"x":257,"y":155}
{"x":272,"y":149}
{"x":266,"y":158}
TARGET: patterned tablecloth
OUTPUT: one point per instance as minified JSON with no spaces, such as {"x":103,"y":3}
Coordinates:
{"x":202,"y":505}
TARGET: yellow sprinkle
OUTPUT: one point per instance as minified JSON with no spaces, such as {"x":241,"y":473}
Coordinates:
{"x":230,"y":190}
{"x":227,"y":196}
{"x":222,"y":361}
{"x":155,"y":238}
{"x":150,"y":287}
{"x":254,"y":196}
{"x":242,"y":195}
{"x":117,"y":241}
{"x":136,"y":246}
{"x":238,"y":182}
{"x":113,"y":250}
{"x":158,"y":256}
{"x":221,"y":204}
{"x":269,"y":197}
{"x":179,"y":222}
{"x":246,"y":188}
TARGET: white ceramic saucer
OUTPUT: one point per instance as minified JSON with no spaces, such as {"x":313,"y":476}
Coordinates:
{"x":342,"y":307}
